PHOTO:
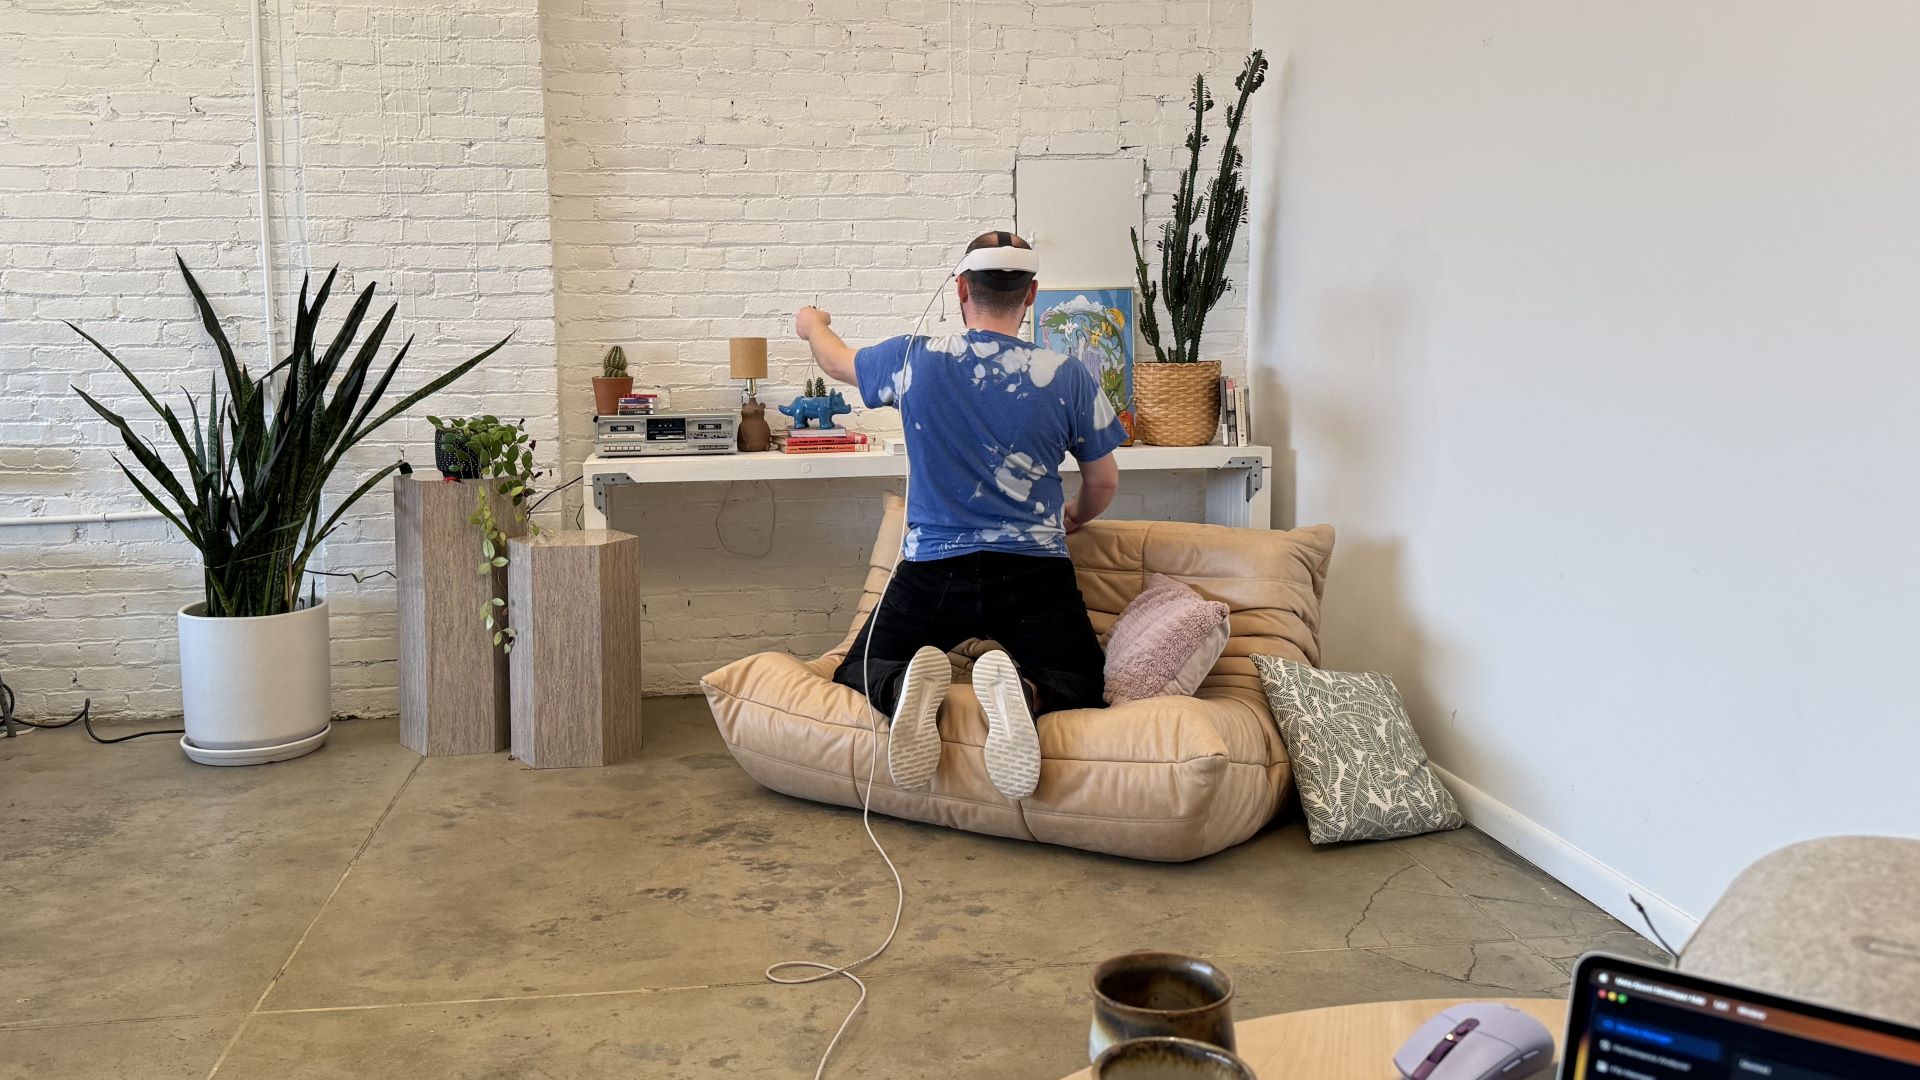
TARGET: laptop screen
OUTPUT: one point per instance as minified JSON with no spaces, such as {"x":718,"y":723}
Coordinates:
{"x":1628,"y":1021}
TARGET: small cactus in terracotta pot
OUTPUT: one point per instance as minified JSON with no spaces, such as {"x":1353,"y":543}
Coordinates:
{"x":612,"y":383}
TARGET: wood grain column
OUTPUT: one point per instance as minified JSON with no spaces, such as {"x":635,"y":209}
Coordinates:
{"x":574,"y":598}
{"x":453,"y":679}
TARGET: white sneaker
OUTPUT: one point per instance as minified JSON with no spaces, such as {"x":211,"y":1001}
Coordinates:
{"x":1013,"y":746}
{"x":913,"y":744}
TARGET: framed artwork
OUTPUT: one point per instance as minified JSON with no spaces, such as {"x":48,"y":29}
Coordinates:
{"x":1092,"y":327}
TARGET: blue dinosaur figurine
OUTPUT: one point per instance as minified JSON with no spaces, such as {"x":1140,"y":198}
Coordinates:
{"x":821,"y":409}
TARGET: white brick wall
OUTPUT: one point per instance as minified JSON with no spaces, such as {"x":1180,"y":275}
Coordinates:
{"x":716,"y":164}
{"x":423,"y":167}
{"x":409,"y":148}
{"x":123,"y":137}
{"x":711,"y":164}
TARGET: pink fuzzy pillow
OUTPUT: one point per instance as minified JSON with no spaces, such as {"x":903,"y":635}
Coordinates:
{"x":1165,"y":642}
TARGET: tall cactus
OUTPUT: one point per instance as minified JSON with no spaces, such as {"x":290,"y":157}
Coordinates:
{"x":1193,"y":266}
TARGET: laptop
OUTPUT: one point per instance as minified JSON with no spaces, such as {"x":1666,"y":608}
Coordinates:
{"x":1630,"y":1021}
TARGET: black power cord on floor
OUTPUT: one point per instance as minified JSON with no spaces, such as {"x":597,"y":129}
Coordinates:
{"x":8,"y":722}
{"x":1654,"y":930}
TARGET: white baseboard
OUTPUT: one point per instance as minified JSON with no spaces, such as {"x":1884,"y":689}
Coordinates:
{"x":1606,"y":887}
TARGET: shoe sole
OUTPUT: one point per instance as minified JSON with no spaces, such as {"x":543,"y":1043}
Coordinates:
{"x":1013,"y":746}
{"x":913,"y":741}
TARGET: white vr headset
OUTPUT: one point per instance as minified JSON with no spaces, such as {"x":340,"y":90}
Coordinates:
{"x":1023,"y":260}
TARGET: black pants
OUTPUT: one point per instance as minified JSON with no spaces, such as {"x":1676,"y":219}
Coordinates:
{"x":1030,"y":604}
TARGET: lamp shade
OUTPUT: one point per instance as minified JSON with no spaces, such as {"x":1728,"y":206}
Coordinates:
{"x":748,"y":357}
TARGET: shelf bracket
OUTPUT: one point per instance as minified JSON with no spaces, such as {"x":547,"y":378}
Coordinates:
{"x":1255,"y":467}
{"x":605,"y":482}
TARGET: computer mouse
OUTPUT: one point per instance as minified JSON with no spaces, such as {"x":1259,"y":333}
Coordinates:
{"x":1476,"y":1040}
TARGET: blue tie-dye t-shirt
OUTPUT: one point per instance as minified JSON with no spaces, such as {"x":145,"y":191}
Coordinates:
{"x":988,"y":419}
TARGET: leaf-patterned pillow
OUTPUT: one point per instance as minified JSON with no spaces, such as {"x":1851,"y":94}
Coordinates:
{"x":1362,"y":772}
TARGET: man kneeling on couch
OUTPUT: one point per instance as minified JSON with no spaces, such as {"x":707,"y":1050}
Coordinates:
{"x":988,"y":418}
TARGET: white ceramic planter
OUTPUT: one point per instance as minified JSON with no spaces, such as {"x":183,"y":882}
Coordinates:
{"x":256,"y":689}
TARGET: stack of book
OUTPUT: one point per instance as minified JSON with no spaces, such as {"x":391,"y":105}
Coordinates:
{"x":1236,"y":414}
{"x":641,"y":404}
{"x":833,"y":440}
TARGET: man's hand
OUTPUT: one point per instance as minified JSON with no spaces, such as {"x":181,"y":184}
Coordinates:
{"x":809,"y":319}
{"x":1099,"y":479}
{"x":815,"y":327}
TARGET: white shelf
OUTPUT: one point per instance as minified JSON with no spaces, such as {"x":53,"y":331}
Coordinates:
{"x":1238,"y":485}
{"x":773,"y":465}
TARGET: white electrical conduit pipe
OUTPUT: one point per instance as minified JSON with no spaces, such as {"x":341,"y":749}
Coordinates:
{"x":260,"y":169}
{"x":266,"y":271}
{"x":82,"y":519}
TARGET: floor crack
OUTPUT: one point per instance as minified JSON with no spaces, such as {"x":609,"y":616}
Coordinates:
{"x":1368,"y":909}
{"x":1464,"y":980}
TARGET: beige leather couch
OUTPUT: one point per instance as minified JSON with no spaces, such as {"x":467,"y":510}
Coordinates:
{"x":1167,"y":779}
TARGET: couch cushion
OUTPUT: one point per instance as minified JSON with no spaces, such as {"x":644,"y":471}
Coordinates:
{"x":1362,"y":771}
{"x":1168,"y":778}
{"x":1165,"y":642}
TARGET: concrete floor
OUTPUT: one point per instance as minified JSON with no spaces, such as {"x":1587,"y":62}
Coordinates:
{"x":365,"y":913}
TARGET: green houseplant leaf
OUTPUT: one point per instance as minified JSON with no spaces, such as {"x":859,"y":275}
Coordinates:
{"x":504,"y":455}
{"x":250,"y":489}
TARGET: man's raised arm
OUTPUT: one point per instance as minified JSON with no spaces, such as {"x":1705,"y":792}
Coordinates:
{"x":834,"y":356}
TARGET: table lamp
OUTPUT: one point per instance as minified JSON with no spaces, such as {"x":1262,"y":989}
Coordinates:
{"x":748,"y":360}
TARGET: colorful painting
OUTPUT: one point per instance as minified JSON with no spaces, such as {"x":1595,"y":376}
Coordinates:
{"x":1094,"y":327}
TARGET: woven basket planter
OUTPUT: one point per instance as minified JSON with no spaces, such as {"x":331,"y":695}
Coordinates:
{"x":1176,"y":404}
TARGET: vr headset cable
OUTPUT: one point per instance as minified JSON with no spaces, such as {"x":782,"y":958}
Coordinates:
{"x":817,"y":970}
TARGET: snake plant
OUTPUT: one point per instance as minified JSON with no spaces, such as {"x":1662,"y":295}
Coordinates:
{"x":249,"y":489}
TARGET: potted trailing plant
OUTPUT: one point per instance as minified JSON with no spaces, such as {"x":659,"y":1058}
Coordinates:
{"x":452,"y":450}
{"x":499,"y":452}
{"x":1177,"y":398}
{"x":249,"y":492}
{"x":612,"y":384}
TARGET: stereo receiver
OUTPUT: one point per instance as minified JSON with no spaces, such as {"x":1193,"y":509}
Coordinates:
{"x":668,"y":433}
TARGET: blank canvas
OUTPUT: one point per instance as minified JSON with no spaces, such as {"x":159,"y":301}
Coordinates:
{"x":1076,"y":212}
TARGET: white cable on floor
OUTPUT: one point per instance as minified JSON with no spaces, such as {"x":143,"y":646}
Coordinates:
{"x":823,"y":971}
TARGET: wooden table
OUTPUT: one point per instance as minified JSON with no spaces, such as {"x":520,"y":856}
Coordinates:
{"x":1353,"y":1042}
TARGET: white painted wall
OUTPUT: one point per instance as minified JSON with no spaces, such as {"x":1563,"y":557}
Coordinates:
{"x":1594,"y":329}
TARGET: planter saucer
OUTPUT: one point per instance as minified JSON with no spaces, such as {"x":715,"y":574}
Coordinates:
{"x":257,"y":755}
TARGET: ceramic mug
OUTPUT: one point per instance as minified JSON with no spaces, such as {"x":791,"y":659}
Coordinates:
{"x":1145,"y":994}
{"x":1166,"y":1058}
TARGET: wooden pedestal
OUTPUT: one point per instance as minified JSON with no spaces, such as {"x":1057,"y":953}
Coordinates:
{"x":574,"y":598}
{"x":453,"y":679}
